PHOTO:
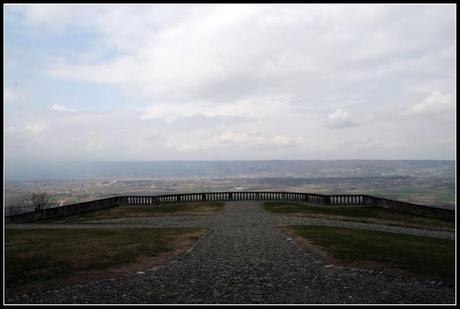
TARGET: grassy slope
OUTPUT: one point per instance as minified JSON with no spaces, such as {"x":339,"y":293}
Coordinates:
{"x":362,"y":214}
{"x":429,"y":258}
{"x":418,"y":196}
{"x":44,"y":256}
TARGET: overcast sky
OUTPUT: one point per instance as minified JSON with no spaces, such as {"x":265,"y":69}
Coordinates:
{"x":229,"y":82}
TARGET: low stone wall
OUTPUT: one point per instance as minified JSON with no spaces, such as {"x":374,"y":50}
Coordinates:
{"x":322,"y":199}
{"x":409,"y":208}
{"x":64,"y":211}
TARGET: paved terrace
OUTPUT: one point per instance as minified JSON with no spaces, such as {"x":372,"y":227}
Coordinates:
{"x":245,"y":258}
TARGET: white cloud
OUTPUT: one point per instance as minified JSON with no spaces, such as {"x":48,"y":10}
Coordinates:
{"x":35,"y":128}
{"x":10,"y":130}
{"x":228,"y":52}
{"x":62,"y":108}
{"x":436,"y":104}
{"x":235,"y":137}
{"x":12,"y":94}
{"x":340,"y":119}
{"x":47,"y":15}
{"x":260,"y":108}
{"x":363,"y":144}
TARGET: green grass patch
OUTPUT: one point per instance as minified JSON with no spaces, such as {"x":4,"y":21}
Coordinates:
{"x":425,"y":257}
{"x":431,"y":195}
{"x":197,"y":208}
{"x":421,"y":197}
{"x":48,"y":256}
{"x":367,"y":214}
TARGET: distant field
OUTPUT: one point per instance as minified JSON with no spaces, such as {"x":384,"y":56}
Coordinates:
{"x":196,"y":208}
{"x":360,"y":213}
{"x":423,"y":182}
{"x":52,"y":258}
{"x":425,"y":257}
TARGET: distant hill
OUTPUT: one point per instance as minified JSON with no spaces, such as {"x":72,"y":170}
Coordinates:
{"x":230,"y":169}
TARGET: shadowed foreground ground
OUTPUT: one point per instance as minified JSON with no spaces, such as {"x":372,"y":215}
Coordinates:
{"x":245,"y":258}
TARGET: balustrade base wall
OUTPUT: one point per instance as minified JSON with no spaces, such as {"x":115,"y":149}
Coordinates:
{"x":65,"y":211}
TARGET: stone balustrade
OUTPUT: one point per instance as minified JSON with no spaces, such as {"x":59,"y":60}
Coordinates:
{"x":319,"y":199}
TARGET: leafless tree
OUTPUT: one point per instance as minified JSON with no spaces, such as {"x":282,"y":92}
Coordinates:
{"x":40,"y":200}
{"x":36,"y":200}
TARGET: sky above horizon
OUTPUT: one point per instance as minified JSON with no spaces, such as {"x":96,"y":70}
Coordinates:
{"x":229,"y":82}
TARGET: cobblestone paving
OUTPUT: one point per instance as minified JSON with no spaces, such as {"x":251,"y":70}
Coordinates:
{"x":245,"y":258}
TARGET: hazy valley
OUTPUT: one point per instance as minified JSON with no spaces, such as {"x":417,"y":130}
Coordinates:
{"x":424,"y":182}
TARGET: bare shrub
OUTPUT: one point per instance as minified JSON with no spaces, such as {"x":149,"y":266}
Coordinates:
{"x":12,"y":210}
{"x":40,"y":200}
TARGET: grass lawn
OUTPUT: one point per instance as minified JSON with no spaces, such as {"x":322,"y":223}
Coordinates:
{"x":359,"y":213}
{"x":432,"y":195}
{"x":197,"y":208}
{"x":57,"y":257}
{"x":425,"y":257}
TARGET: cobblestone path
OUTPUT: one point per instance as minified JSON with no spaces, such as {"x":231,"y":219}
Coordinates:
{"x":245,"y":258}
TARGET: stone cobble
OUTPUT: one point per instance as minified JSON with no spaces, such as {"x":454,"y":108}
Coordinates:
{"x":245,"y":258}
